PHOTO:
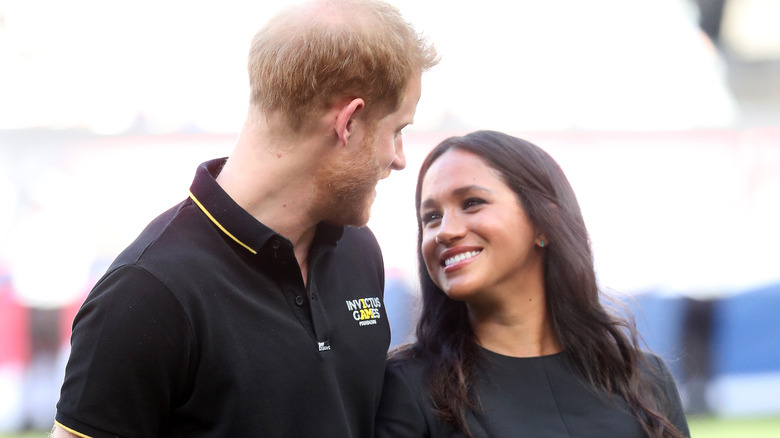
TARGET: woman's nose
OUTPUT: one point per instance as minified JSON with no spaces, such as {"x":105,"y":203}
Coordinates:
{"x":450,"y":230}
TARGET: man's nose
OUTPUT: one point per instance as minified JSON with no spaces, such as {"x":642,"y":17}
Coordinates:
{"x":399,"y":159}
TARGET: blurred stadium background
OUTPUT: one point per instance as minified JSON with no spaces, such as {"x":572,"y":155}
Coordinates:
{"x":664,"y":114}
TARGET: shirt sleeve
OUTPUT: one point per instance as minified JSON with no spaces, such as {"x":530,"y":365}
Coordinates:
{"x":130,"y":358}
{"x":674,"y":404}
{"x":400,"y":413}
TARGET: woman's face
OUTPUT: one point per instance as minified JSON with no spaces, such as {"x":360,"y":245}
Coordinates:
{"x":476,"y":241}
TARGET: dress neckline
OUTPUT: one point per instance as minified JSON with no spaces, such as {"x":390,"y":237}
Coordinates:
{"x":502,"y":357}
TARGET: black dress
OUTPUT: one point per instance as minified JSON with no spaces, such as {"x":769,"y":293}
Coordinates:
{"x":535,"y":397}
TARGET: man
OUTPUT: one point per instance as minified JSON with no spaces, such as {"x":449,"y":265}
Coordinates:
{"x":254,"y":307}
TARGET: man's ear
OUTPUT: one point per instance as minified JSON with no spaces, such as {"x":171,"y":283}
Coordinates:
{"x":345,"y":119}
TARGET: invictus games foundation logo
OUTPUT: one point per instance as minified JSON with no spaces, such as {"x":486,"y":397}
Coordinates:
{"x":365,"y":310}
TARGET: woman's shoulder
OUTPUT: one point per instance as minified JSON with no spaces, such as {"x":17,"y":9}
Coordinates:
{"x":665,"y":388}
{"x":406,"y":360}
{"x":658,"y":374}
{"x":654,"y":364}
{"x":406,"y":409}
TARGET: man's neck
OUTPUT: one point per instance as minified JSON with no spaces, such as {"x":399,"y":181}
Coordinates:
{"x":275,"y":183}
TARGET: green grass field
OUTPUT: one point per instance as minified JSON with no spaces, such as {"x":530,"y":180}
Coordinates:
{"x":701,"y":427}
{"x":708,"y":427}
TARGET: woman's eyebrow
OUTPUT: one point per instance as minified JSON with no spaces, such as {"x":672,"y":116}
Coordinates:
{"x":471,"y":188}
{"x":460,"y":191}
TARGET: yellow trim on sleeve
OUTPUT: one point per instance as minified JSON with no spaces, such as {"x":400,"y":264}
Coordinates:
{"x":195,"y":200}
{"x":71,"y":430}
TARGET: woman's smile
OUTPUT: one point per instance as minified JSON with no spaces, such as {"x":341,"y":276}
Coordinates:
{"x":455,"y":261}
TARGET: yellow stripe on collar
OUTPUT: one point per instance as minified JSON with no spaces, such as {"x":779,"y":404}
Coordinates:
{"x":71,"y":430}
{"x":195,"y":200}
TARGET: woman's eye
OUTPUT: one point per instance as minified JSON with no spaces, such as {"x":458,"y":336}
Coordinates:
{"x":429,"y":217}
{"x":472,"y":202}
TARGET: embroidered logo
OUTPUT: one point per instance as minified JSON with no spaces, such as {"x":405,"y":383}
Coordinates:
{"x":365,"y":310}
{"x":323,"y":346}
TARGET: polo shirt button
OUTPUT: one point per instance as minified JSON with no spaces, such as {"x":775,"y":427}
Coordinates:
{"x":299,"y":300}
{"x":275,"y":244}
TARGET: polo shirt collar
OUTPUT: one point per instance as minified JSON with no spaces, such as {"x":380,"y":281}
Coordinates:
{"x":234,"y":221}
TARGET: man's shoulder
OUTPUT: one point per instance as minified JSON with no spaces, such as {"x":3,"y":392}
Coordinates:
{"x":359,"y":235}
{"x":169,"y":244}
{"x":360,"y":242}
{"x":151,"y":234}
{"x":175,"y":236}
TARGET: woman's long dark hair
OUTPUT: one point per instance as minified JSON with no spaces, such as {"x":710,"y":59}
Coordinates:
{"x":602,"y":346}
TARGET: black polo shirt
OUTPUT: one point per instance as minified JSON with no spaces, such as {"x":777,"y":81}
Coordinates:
{"x":203,"y":327}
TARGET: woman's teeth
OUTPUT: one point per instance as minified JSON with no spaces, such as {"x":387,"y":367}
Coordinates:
{"x":460,"y":257}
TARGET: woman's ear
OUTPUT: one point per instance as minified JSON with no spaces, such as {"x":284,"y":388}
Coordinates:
{"x":345,"y":119}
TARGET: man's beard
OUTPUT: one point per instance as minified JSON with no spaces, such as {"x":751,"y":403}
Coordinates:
{"x":346,"y":189}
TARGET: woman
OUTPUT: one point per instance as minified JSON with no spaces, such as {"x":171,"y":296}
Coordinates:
{"x":513,"y":340}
